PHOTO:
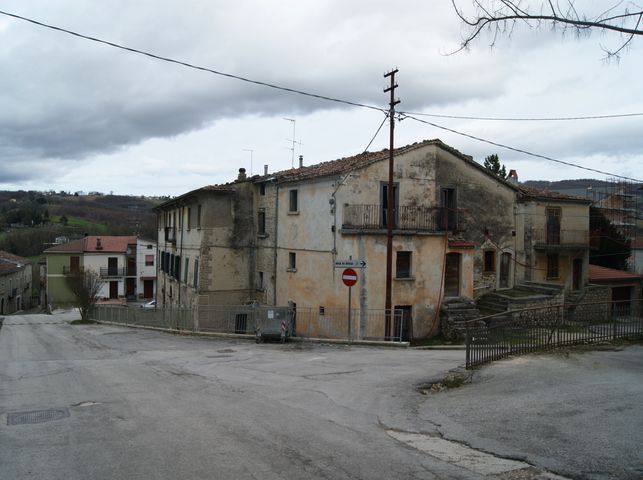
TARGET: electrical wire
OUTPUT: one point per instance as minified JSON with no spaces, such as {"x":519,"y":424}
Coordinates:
{"x":195,"y":67}
{"x":321,"y":97}
{"x":523,"y":119}
{"x":519,"y":150}
{"x":386,"y":115}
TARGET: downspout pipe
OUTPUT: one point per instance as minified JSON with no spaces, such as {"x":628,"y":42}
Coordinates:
{"x":274,"y":284}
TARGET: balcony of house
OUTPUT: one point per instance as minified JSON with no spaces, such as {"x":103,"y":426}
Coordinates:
{"x":170,"y":234}
{"x":373,"y":218}
{"x":112,"y":272}
{"x":557,"y":240}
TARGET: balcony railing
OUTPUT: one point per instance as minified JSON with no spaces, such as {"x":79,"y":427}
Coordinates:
{"x":548,"y":239}
{"x":420,"y":218}
{"x":112,"y":271}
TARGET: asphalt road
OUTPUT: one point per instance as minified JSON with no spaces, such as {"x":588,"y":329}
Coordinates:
{"x":118,"y":403}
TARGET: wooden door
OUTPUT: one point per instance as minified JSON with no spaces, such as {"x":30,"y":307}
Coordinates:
{"x":452,"y":275}
{"x":113,"y":289}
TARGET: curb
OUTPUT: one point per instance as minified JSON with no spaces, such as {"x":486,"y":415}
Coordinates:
{"x":242,"y":336}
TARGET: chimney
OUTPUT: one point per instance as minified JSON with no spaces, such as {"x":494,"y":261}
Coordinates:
{"x":242,"y":174}
{"x":99,"y":246}
{"x":301,"y":161}
{"x":265,"y":169}
{"x":512,"y":177}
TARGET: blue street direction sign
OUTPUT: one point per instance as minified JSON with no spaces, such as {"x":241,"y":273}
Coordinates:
{"x":350,"y":263}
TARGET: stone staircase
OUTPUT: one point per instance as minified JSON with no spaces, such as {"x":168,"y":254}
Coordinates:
{"x":454,"y":313}
{"x":521,"y":296}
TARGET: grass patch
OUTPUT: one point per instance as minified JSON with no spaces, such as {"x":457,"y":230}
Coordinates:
{"x":83,"y":322}
{"x":81,"y":222}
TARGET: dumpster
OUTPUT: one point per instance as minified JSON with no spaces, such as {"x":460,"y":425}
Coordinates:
{"x":273,"y":323}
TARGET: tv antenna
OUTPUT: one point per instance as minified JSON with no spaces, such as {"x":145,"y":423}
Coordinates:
{"x":293,"y":140}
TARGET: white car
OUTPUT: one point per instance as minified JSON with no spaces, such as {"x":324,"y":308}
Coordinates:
{"x":150,"y":304}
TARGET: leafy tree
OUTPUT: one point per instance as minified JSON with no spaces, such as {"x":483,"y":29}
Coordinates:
{"x":500,"y":16}
{"x":85,"y":286}
{"x":492,"y":163}
{"x":609,"y":248}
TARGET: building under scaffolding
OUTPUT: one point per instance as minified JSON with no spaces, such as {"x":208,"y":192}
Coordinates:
{"x":618,"y":201}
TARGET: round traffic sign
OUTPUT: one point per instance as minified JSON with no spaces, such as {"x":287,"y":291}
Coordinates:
{"x":349,"y":277}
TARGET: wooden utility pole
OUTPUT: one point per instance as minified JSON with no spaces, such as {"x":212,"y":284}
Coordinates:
{"x":390,"y":199}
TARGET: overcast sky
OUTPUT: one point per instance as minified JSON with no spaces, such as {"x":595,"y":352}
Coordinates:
{"x":78,"y":115}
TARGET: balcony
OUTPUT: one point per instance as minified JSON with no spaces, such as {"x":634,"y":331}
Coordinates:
{"x":170,"y":234}
{"x":553,"y":240}
{"x":107,"y":272}
{"x":407,"y":218}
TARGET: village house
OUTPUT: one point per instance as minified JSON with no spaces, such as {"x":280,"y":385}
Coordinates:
{"x":459,"y":231}
{"x":15,"y":283}
{"x":126,"y":265}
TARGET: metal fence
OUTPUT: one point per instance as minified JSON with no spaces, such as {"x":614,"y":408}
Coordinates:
{"x":538,"y":329}
{"x":253,"y":319}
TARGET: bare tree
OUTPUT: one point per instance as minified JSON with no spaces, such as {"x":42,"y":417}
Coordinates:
{"x":500,"y":17}
{"x":85,"y":286}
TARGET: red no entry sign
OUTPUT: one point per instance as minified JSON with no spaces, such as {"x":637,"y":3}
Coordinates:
{"x":349,"y":277}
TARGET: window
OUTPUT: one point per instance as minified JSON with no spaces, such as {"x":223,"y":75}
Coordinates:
{"x":552,"y":265}
{"x":322,"y":310}
{"x":196,"y":273}
{"x":189,"y":218}
{"x":198,"y":216}
{"x":150,"y":247}
{"x":261,"y":221}
{"x":260,"y":281}
{"x":292,"y":262}
{"x":74,"y":264}
{"x":293,"y":201}
{"x":162,"y":261}
{"x":185,"y":272}
{"x":149,"y":260}
{"x":448,"y":209}
{"x":177,"y":267}
{"x":489,"y":261}
{"x":403,"y":265}
{"x":262,"y":189}
{"x":553,"y":215}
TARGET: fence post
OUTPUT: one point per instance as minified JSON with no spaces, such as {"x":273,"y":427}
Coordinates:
{"x":467,"y":342}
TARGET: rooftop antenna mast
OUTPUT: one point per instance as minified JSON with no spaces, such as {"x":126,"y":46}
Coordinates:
{"x":294,"y":141}
{"x":251,"y":152}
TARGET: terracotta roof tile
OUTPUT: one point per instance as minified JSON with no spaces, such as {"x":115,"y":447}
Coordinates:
{"x":10,"y":263}
{"x":108,"y":244}
{"x":346,"y":164}
{"x":549,"y":194}
{"x":597,"y":273}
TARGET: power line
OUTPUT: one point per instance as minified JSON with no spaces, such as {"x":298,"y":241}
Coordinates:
{"x":324,"y":97}
{"x":519,"y":150}
{"x":195,"y":67}
{"x":523,"y":119}
{"x":376,"y":133}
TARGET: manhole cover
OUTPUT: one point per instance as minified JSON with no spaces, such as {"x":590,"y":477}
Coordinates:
{"x":36,"y":416}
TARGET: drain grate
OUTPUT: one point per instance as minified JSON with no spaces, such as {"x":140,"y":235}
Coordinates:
{"x":36,"y":416}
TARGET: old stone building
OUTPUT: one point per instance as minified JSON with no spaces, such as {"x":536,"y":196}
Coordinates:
{"x":15,"y":283}
{"x":273,"y":239}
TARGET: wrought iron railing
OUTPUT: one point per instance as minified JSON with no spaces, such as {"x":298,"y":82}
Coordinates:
{"x":545,"y":237}
{"x":374,"y":217}
{"x":249,"y":319}
{"x":538,"y":329}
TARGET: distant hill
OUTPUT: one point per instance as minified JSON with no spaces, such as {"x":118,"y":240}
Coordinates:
{"x":30,"y":220}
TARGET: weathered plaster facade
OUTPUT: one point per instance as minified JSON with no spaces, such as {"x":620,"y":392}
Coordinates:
{"x":15,"y":283}
{"x":274,"y":239}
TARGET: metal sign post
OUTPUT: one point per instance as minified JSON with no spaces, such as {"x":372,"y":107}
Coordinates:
{"x":349,"y":277}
